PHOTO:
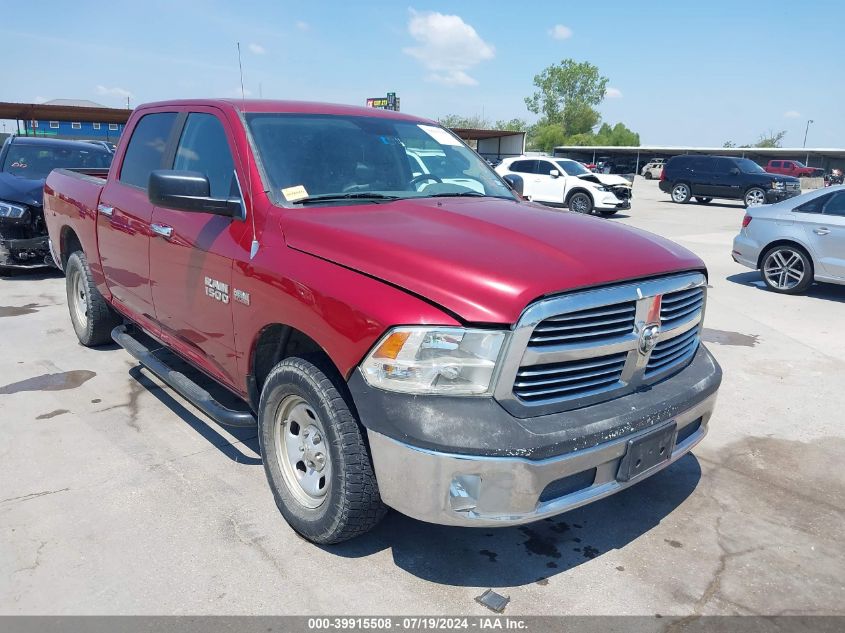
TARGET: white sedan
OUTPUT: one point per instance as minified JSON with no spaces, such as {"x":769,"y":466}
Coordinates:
{"x":795,"y":241}
{"x":567,"y":183}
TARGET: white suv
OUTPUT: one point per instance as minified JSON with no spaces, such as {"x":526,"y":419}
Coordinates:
{"x":567,"y":183}
{"x":653,"y":168}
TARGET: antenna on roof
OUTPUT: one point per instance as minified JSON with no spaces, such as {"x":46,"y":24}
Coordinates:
{"x":253,"y":249}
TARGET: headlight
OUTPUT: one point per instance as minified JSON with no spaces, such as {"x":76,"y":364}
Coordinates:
{"x":9,"y":210}
{"x":600,"y":188}
{"x":434,"y":360}
{"x":777,"y":184}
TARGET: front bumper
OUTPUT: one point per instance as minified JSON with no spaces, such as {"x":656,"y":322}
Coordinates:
{"x":776,"y":195}
{"x":466,"y":461}
{"x":611,"y":201}
{"x":31,"y":252}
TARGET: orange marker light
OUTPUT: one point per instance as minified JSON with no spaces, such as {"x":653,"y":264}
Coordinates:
{"x":392,"y":345}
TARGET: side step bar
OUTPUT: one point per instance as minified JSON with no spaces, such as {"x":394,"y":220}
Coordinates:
{"x":186,"y":387}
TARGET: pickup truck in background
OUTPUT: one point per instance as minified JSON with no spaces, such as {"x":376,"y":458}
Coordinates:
{"x":793,"y":168}
{"x":417,"y":338}
{"x":24,"y":165}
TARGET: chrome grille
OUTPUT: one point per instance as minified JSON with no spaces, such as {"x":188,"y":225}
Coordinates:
{"x":569,"y":379}
{"x":672,"y":353}
{"x":793,"y":186}
{"x":677,"y":307}
{"x":592,"y":324}
{"x":583,"y":348}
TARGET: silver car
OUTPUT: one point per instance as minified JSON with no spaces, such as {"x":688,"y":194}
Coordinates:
{"x":796,"y":241}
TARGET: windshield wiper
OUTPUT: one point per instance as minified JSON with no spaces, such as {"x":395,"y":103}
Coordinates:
{"x":352,"y":195}
{"x":460,"y":194}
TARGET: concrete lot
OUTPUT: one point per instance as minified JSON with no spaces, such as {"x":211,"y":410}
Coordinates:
{"x":117,"y":497}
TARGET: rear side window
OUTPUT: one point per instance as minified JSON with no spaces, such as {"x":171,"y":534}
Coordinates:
{"x":776,"y":163}
{"x":146,"y":148}
{"x":836,"y":204}
{"x":524,"y":166}
{"x":813,"y":206}
{"x":702,"y":164}
{"x":204,"y":148}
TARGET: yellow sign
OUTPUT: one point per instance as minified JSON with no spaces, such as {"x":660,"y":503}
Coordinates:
{"x":292,"y":194}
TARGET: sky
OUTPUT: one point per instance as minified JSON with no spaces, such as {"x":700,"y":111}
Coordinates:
{"x":680,"y":73}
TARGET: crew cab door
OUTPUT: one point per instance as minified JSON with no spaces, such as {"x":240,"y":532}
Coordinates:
{"x":723,"y":181}
{"x":191,"y":253}
{"x":825,"y":231}
{"x":548,"y":188}
{"x":124,"y":215}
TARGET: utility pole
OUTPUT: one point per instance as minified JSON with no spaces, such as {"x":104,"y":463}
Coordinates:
{"x":806,"y":129}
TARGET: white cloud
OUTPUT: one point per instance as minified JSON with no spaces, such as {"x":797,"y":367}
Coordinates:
{"x":792,"y":114}
{"x":560,"y":32}
{"x":302,"y":26}
{"x":236,"y":93}
{"x":113,"y":92}
{"x":613,"y":93}
{"x":39,"y":99}
{"x":256,"y":49}
{"x":448,"y":47}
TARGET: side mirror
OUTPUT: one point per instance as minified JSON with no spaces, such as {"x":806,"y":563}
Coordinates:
{"x":515,"y":183}
{"x":188,"y":191}
{"x":554,"y":173}
{"x":734,"y":171}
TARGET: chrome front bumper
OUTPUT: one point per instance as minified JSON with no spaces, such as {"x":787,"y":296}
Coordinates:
{"x":452,"y":489}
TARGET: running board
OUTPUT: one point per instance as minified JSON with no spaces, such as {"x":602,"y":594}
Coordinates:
{"x":186,"y":387}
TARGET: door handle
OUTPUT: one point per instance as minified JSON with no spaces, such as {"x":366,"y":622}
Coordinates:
{"x":105,"y":210}
{"x":162,"y":229}
{"x":822,"y":230}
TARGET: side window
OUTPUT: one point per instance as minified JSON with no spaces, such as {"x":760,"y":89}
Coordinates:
{"x":836,"y":204}
{"x":813,"y":206}
{"x":787,"y":164}
{"x":523,"y":166}
{"x":702,"y":164}
{"x":722,"y":166}
{"x":546,"y":167}
{"x":776,"y":163}
{"x":203,"y":147}
{"x":146,"y":148}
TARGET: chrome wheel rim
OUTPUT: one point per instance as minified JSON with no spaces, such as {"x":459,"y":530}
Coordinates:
{"x":784,"y":269}
{"x":579,"y":204}
{"x":79,"y":299}
{"x":303,"y":452}
{"x":755,"y":198}
{"x":680,"y":193}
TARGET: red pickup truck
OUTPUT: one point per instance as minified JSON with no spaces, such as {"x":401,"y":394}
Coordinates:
{"x":793,"y":168}
{"x":430,"y":342}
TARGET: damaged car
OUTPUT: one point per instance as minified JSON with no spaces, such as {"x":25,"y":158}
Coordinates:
{"x":25,"y":163}
{"x":567,"y":183}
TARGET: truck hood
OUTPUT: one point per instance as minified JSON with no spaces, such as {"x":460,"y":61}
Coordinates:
{"x":482,"y":259}
{"x":21,"y":190}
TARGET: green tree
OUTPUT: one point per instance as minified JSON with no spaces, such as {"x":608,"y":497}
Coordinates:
{"x":729,"y":144}
{"x":772,"y":139}
{"x":511,"y":125}
{"x":568,"y":85}
{"x":618,"y":135}
{"x":474,"y":122}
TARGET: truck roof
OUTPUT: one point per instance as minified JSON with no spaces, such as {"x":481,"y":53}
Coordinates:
{"x":55,"y":142}
{"x":279,"y":106}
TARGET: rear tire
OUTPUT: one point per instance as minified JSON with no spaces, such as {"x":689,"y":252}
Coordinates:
{"x":681,"y":193}
{"x":580,"y":203}
{"x":648,"y":175}
{"x":787,"y":269}
{"x":701,"y":200}
{"x":315,"y":455}
{"x":93,"y":319}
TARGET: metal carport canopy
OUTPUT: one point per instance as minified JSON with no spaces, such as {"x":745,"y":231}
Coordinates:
{"x":46,"y":112}
{"x":668,"y":150}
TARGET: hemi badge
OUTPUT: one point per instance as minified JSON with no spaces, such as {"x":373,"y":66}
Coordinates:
{"x":242,"y":296}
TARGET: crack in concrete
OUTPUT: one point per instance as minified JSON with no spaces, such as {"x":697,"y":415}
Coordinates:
{"x":33,"y":495}
{"x":36,"y":562}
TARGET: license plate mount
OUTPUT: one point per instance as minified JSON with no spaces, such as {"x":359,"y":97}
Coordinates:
{"x":648,"y":451}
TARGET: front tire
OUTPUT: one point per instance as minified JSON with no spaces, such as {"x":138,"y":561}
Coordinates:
{"x":581,"y":203}
{"x":755,"y":197}
{"x":681,"y":193}
{"x":93,"y":319}
{"x":787,"y":269}
{"x":315,"y":456}
{"x":648,"y":175}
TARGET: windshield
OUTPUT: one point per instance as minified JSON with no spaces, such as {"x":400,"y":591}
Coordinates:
{"x":37,"y":161}
{"x":749,"y":166}
{"x":572,"y":168}
{"x":798,"y":163}
{"x":306,"y":156}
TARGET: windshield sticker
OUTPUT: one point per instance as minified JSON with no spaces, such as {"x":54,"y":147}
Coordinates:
{"x":439,"y":134}
{"x":292,"y":194}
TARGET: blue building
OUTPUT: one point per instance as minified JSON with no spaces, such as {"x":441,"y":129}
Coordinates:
{"x":70,"y":129}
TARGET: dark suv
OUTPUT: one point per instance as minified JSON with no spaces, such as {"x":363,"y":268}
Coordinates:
{"x":708,"y":177}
